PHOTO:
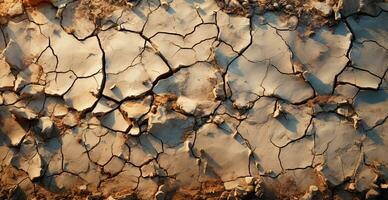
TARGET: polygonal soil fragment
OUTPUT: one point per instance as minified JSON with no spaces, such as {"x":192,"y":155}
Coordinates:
{"x":369,"y":56}
{"x":321,"y":57}
{"x":371,"y":106}
{"x":130,"y":76}
{"x":187,"y":49}
{"x":375,"y":148}
{"x":360,"y":78}
{"x":76,"y":20}
{"x":11,"y":131}
{"x":115,"y":121}
{"x":193,"y":87}
{"x":75,"y":158}
{"x":167,"y":19}
{"x":28,"y":159}
{"x":169,"y":126}
{"x":83,"y":93}
{"x":6,"y":77}
{"x":134,"y":109}
{"x":351,"y":7}
{"x":338,"y":144}
{"x":179,"y":162}
{"x":257,"y":124}
{"x":267,"y":45}
{"x":228,"y":164}
{"x":26,"y":41}
{"x":367,"y":28}
{"x":249,"y":80}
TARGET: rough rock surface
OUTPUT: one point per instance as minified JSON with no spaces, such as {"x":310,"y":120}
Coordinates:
{"x":189,"y":99}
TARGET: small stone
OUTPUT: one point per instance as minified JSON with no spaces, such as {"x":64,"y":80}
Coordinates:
{"x":160,"y":195}
{"x":351,"y":186}
{"x":324,"y":8}
{"x":319,"y":168}
{"x":268,"y":172}
{"x":245,"y":3}
{"x":293,"y":22}
{"x":135,"y":130}
{"x":162,"y":188}
{"x":82,"y":187}
{"x":187,"y":146}
{"x":313,"y":188}
{"x":356,"y":121}
{"x":275,"y":5}
{"x":289,"y":7}
{"x":129,"y":4}
{"x":249,"y":180}
{"x":278,"y":110}
{"x":165,"y":4}
{"x":337,"y":15}
{"x":344,"y":111}
{"x":59,"y":12}
{"x":218,"y":120}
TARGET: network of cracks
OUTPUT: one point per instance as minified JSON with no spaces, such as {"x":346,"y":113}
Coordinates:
{"x":181,"y":100}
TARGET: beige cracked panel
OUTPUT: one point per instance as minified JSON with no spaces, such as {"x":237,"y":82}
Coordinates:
{"x":193,"y":99}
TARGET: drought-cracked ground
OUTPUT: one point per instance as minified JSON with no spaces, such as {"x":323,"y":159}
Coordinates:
{"x":193,"y":99}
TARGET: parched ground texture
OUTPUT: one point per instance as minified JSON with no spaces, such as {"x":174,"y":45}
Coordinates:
{"x":193,"y":99}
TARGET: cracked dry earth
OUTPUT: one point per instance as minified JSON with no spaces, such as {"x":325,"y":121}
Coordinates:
{"x":183,"y":100}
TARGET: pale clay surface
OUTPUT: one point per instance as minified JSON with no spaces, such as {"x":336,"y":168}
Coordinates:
{"x":166,"y":97}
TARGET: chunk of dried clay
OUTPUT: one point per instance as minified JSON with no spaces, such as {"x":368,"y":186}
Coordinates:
{"x":71,"y":119}
{"x":6,"y":77}
{"x":9,"y":127}
{"x":28,"y":159}
{"x":115,"y":120}
{"x":169,"y":126}
{"x":136,"y":109}
{"x":46,"y":125}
